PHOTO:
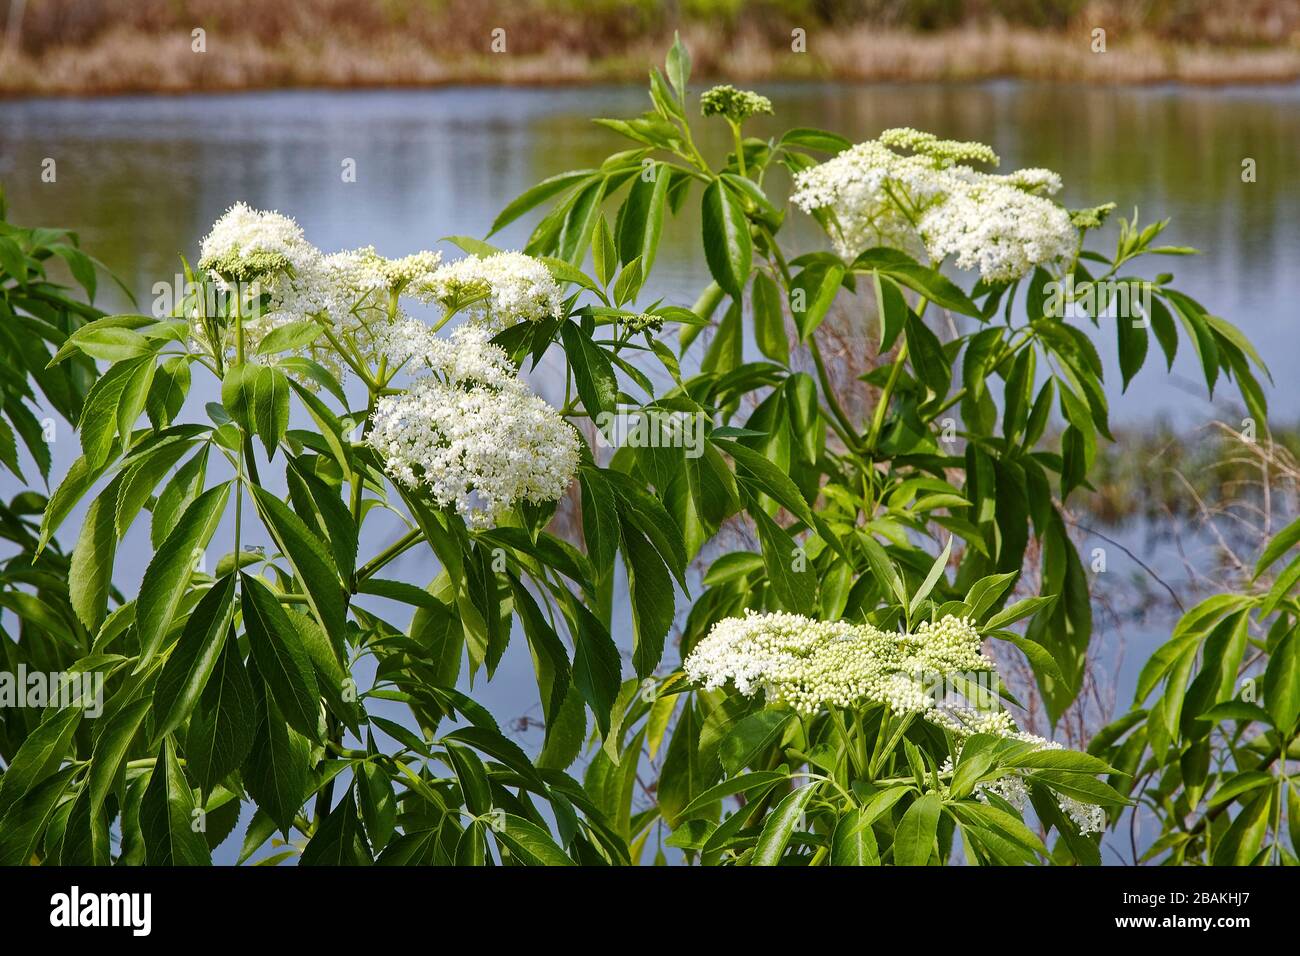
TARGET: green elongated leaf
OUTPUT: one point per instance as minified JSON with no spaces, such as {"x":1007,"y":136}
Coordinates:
{"x":194,"y":657}
{"x":771,"y":480}
{"x":1193,"y":319}
{"x":1241,"y":843}
{"x":685,"y":775}
{"x":653,"y":601}
{"x":1278,"y":545}
{"x":927,"y":355}
{"x":592,"y":372}
{"x":494,"y":744}
{"x":530,"y":844}
{"x":221,"y":727}
{"x":1019,"y":611}
{"x":891,"y":308}
{"x":1003,"y":824}
{"x":819,"y":305}
{"x":22,"y":825}
{"x":652,"y":519}
{"x":321,"y":508}
{"x":257,"y":397}
{"x":580,"y":221}
{"x":769,"y":320}
{"x":310,"y":559}
{"x":378,"y":804}
{"x":167,"y":816}
{"x":931,"y":579}
{"x":600,"y":525}
{"x":471,"y":848}
{"x":107,"y":398}
{"x":628,"y":283}
{"x":728,"y":248}
{"x":1132,"y":345}
{"x":787,"y":565}
{"x":781,"y":824}
{"x":914,"y":837}
{"x":141,"y":479}
{"x":39,"y":756}
{"x":294,"y":335}
{"x":168,"y":574}
{"x":277,"y":768}
{"x":475,"y":788}
{"x":112,"y":344}
{"x":85,"y":836}
{"x":597,"y":666}
{"x":985,"y":592}
{"x":1040,"y":658}
{"x":734,"y":786}
{"x":281,"y":658}
{"x":854,"y":842}
{"x":641,"y":217}
{"x":91,"y":571}
{"x":1282,"y":682}
{"x":750,"y":736}
{"x":339,"y":841}
{"x":111,"y":747}
{"x":929,"y":282}
{"x":1081,"y":786}
{"x":177,"y":494}
{"x":805,"y":423}
{"x":678,"y":67}
{"x":538,"y":194}
{"x":1071,"y":760}
{"x":604,"y":256}
{"x":80,"y":478}
{"x":882,"y":568}
{"x":1238,"y":784}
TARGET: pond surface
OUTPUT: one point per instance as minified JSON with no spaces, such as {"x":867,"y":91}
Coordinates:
{"x":142,"y":179}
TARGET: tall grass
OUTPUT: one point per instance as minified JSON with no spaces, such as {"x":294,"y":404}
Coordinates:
{"x":122,"y":45}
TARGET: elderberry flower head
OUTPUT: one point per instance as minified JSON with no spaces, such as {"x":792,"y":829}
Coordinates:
{"x":810,"y":664}
{"x":497,"y":291}
{"x":911,"y":191}
{"x":736,"y":105}
{"x":246,"y":244}
{"x":469,"y":432}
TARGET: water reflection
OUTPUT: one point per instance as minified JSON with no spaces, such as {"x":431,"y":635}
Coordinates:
{"x":143,"y":177}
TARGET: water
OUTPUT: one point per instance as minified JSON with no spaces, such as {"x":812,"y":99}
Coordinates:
{"x":141,"y":179}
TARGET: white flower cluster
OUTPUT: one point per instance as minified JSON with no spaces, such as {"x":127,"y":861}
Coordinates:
{"x":911,"y":191}
{"x":469,"y":431}
{"x":355,"y":292}
{"x":498,"y":291}
{"x":247,"y":243}
{"x":810,"y":664}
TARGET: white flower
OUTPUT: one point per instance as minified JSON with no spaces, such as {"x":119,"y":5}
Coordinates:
{"x":810,"y":664}
{"x":355,"y":274}
{"x":498,"y":291}
{"x":469,"y":431}
{"x":246,"y":243}
{"x":925,"y":202}
{"x":1088,"y":817}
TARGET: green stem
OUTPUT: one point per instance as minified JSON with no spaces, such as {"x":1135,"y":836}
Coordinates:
{"x":402,"y":544}
{"x":740,"y":146}
{"x":832,"y":400}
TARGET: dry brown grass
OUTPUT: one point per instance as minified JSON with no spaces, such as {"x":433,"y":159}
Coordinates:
{"x":86,"y":49}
